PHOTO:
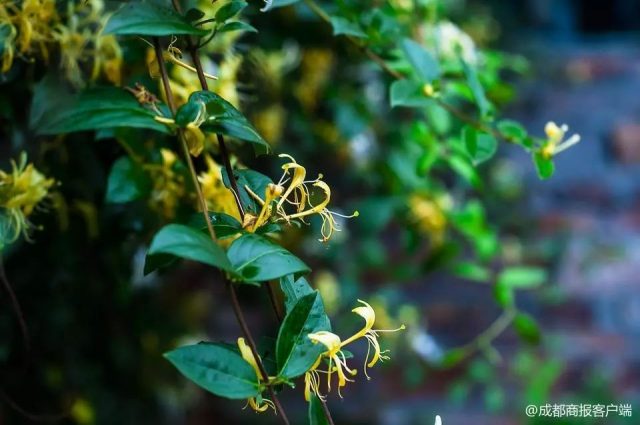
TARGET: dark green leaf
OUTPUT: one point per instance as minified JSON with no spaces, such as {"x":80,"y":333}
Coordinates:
{"x":186,"y":242}
{"x":294,"y":290}
{"x":408,"y":93}
{"x":544,"y":166}
{"x":423,"y":62}
{"x":527,"y":328}
{"x":345,"y":27}
{"x":470,"y":136}
{"x":147,"y":18}
{"x":98,"y":108}
{"x":194,"y":14}
{"x":295,"y":352}
{"x":217,"y":369}
{"x":220,"y":117}
{"x":236,"y":26}
{"x":127,"y":181}
{"x":224,"y":225}
{"x":255,"y":258}
{"x":230,"y":10}
{"x":257,"y":183}
{"x":522,"y":277}
{"x":316,"y":412}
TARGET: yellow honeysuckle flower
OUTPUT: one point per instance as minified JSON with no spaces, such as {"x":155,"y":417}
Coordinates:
{"x":555,"y":139}
{"x":21,"y":191}
{"x":168,"y":185}
{"x":246,"y":353}
{"x":337,"y":359}
{"x":369,"y":315}
{"x":296,"y":194}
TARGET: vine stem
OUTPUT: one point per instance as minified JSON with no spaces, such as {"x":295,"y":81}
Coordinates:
{"x":203,"y":203}
{"x":491,"y":333}
{"x":26,"y":340}
{"x":318,"y":11}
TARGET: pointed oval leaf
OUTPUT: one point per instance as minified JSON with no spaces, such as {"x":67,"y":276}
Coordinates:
{"x":216,"y":368}
{"x":220,"y":117}
{"x":127,"y":181}
{"x":295,"y":352}
{"x":146,"y":18}
{"x":224,"y":225}
{"x":230,"y":10}
{"x":423,"y":62}
{"x":408,"y":93}
{"x":255,"y":258}
{"x":346,"y":27}
{"x":294,"y":290}
{"x":186,"y":242}
{"x":93,"y":109}
{"x":316,"y":412}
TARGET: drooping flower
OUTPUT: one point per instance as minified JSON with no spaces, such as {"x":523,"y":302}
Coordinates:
{"x":555,"y":139}
{"x":21,"y":192}
{"x":259,"y":405}
{"x":296,"y":195}
{"x":335,"y":355}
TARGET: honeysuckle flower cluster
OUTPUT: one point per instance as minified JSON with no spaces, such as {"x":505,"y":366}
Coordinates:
{"x":34,"y":27}
{"x":21,"y":192}
{"x":278,"y":201}
{"x":429,"y":215}
{"x":334,"y":354}
{"x":556,"y":142}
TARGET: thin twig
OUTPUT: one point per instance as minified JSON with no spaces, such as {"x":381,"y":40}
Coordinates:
{"x":277,"y":310}
{"x":26,"y":340}
{"x":34,"y":417}
{"x":490,"y":334}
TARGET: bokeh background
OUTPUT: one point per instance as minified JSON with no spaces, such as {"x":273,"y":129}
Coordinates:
{"x":99,"y":327}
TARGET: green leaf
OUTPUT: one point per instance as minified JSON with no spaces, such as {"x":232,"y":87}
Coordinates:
{"x":485,"y":147}
{"x":512,"y":130}
{"x":293,"y":290}
{"x":127,"y":181}
{"x":252,"y":179}
{"x":277,"y":3}
{"x":220,"y":117}
{"x":224,"y":225}
{"x":236,"y":26}
{"x":194,"y":14}
{"x":408,"y":93}
{"x":97,"y":108}
{"x":544,"y":166}
{"x":255,"y":258}
{"x":216,"y":368}
{"x":462,"y":167}
{"x":472,"y":271}
{"x":343,"y":26}
{"x":316,"y":412}
{"x":527,"y":328}
{"x":423,"y":62}
{"x":147,"y":18}
{"x":522,"y":277}
{"x":477,"y":89}
{"x":503,"y":295}
{"x":470,"y":137}
{"x":295,"y":352}
{"x":186,"y":242}
{"x":230,"y":10}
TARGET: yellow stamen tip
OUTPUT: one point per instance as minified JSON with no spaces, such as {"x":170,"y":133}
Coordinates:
{"x":356,"y":214}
